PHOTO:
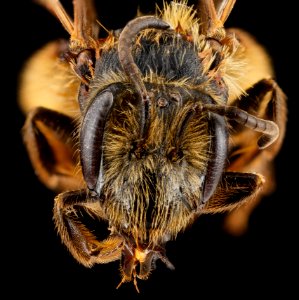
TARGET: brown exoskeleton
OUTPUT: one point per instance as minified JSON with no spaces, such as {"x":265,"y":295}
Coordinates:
{"x":171,"y":117}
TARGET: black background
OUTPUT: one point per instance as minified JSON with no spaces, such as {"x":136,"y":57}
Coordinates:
{"x":208,"y":262}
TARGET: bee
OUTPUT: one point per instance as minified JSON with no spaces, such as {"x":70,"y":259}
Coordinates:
{"x":171,"y":117}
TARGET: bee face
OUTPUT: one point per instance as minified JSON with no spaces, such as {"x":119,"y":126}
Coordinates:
{"x":161,"y":173}
{"x":165,"y":133}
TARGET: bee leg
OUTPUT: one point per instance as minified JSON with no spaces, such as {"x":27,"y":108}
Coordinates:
{"x":266,"y":100}
{"x":213,"y":13}
{"x":224,"y":8}
{"x":233,"y":190}
{"x":236,"y":222}
{"x":80,"y":241}
{"x":50,"y":137}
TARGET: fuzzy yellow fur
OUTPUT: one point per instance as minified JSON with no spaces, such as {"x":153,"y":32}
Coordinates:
{"x":127,"y":181}
{"x":49,"y":82}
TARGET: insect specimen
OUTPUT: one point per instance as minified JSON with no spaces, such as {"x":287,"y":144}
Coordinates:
{"x":171,"y":117}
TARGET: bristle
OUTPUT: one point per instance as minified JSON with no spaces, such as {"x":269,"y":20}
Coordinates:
{"x":100,"y":82}
{"x":182,"y":18}
{"x":232,"y":69}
